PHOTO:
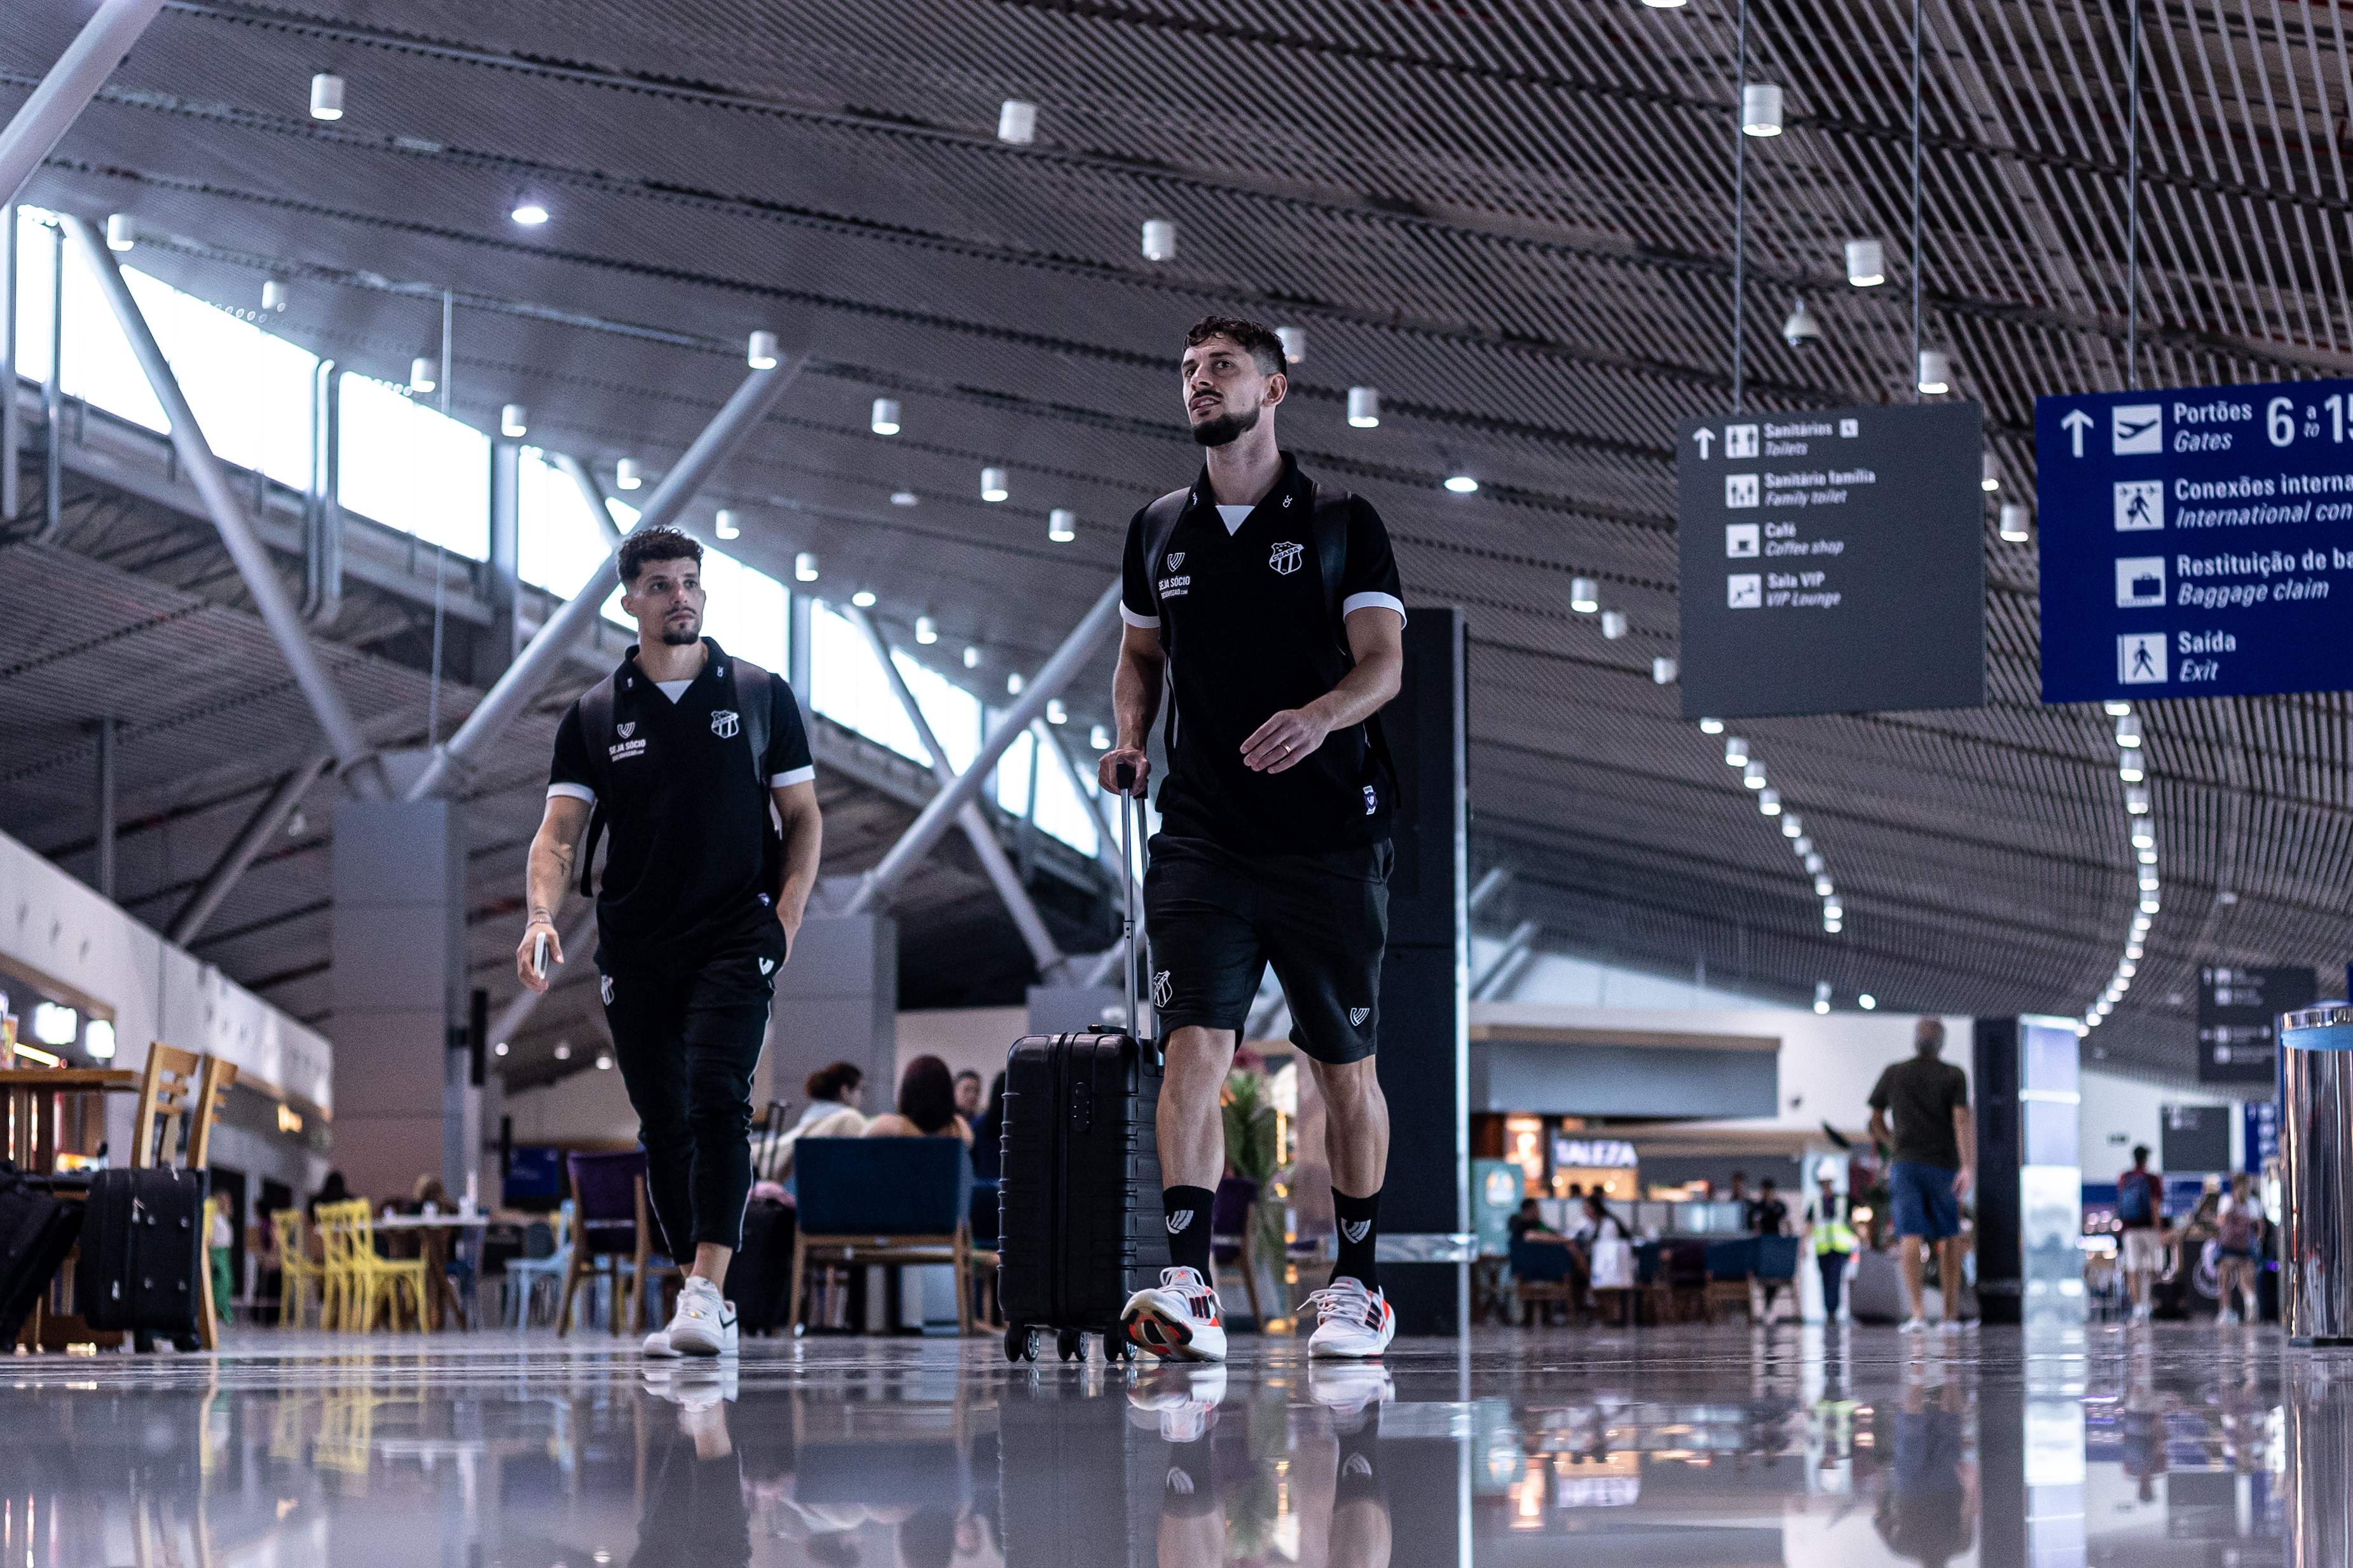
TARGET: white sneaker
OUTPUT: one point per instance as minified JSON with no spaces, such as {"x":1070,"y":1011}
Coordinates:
{"x":704,"y":1325}
{"x":1349,"y":1390}
{"x":1915,"y":1326}
{"x":694,"y":1387}
{"x":1177,"y":1319}
{"x":1951,"y":1326}
{"x":1355,"y":1323}
{"x":2143,"y":1313}
{"x":2228,"y":1317}
{"x":1180,"y":1402}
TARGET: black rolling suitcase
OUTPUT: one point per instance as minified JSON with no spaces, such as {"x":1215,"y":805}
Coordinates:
{"x":142,"y":1252}
{"x":1078,"y":1222}
{"x":761,"y":1272}
{"x":36,"y":1230}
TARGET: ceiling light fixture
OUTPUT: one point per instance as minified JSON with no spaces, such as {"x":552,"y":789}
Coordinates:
{"x":863,"y":598}
{"x":1821,"y":996}
{"x":1583,"y":596}
{"x":1613,"y":625}
{"x":1099,"y":738}
{"x":884,"y":420}
{"x":1793,"y":826}
{"x":122,"y":231}
{"x":1159,"y":239}
{"x":1822,"y":888}
{"x":805,"y":567}
{"x":1760,"y":109}
{"x":1814,"y":865}
{"x":1753,"y":775}
{"x":423,"y":372}
{"x":626,"y":475}
{"x":2116,"y":709}
{"x":760,"y":354}
{"x":1867,"y":1002}
{"x":1991,"y":471}
{"x":1061,"y":525}
{"x":1768,"y":802}
{"x":1295,"y":343}
{"x":1055,"y":713}
{"x":992,"y":484}
{"x":326,"y":96}
{"x":1463,"y":484}
{"x":971,"y":657}
{"x":1935,"y":371}
{"x":725,"y":525}
{"x":2015,"y":520}
{"x":1365,"y":407}
{"x":904,"y":498}
{"x":1711,"y":726}
{"x":927,"y":631}
{"x":1736,"y":751}
{"x":530,"y":214}
{"x":1663,"y":672}
{"x":514,"y":420}
{"x":1664,"y":5}
{"x":1013,"y":684}
{"x":273,"y":295}
{"x":1866,"y":263}
{"x":1801,"y":330}
{"x":2128,"y":730}
{"x":2128,"y":767}
{"x":1017,"y":123}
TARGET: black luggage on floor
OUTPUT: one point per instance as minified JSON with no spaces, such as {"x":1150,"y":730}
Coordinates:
{"x":1078,"y":1222}
{"x":761,"y":1272}
{"x":142,"y":1251}
{"x":36,"y":1230}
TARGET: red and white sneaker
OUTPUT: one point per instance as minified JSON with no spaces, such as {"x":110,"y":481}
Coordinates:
{"x":1178,"y":1402}
{"x":1177,"y":1319}
{"x":1355,"y":1323}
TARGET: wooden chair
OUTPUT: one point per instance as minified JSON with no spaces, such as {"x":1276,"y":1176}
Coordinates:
{"x":615,"y":1235}
{"x":1544,"y":1273}
{"x":180,"y":1097}
{"x":1678,"y":1291}
{"x":1731,"y":1277}
{"x":891,"y":1201}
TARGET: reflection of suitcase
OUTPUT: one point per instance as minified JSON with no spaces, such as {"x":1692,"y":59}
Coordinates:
{"x":142,"y":1251}
{"x":1875,"y":1294}
{"x":1079,"y":1220}
{"x":36,"y":1230}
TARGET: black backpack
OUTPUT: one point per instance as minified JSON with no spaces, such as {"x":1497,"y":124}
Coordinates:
{"x":596,"y":727}
{"x":1329,"y":522}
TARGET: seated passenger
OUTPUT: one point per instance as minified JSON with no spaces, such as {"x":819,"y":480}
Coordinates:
{"x":833,"y":1093}
{"x":1528,"y":1225}
{"x":926,"y":1105}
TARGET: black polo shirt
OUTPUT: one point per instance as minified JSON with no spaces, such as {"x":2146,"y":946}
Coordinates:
{"x":1252,"y":637}
{"x":690,"y":854}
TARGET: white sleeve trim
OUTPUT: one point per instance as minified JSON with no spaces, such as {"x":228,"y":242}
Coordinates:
{"x":792,"y":777}
{"x":572,"y":792}
{"x":1354,"y":602}
{"x":1142,"y":622}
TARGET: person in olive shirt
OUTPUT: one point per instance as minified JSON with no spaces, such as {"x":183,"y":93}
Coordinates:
{"x":1935,"y":1165}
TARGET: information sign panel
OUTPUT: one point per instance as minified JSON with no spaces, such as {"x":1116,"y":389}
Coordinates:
{"x":2237,"y":1011}
{"x":2193,"y":541}
{"x":1833,"y":562}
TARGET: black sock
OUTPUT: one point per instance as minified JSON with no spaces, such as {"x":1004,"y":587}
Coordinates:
{"x":1359,"y":1455}
{"x":1188,"y":1210}
{"x":1360,"y":1225}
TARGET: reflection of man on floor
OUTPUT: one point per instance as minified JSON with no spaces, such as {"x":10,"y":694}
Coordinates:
{"x":1927,"y":1509}
{"x":1194,"y":1532}
{"x":695,"y":1516}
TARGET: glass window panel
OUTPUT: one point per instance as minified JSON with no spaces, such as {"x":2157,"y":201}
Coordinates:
{"x":410,"y":468}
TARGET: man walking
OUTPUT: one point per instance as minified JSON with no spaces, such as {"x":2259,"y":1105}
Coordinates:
{"x":1935,"y":1165}
{"x":1832,"y":1236}
{"x":2141,"y":1218}
{"x":697,"y":761}
{"x":1270,"y":605}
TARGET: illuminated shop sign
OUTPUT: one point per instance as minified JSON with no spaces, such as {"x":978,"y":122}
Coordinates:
{"x":1592,"y":1152}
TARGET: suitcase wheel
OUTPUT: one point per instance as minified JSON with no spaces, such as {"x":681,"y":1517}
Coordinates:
{"x":1069,"y":1345}
{"x":1021,"y":1343}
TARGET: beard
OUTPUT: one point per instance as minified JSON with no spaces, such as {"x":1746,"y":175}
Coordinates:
{"x":1225,"y":428}
{"x":683,"y":636}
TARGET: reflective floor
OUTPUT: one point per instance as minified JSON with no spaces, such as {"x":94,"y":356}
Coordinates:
{"x":1692,"y":1447}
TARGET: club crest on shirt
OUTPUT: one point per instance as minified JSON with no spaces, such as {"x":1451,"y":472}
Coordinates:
{"x":1160,"y":989}
{"x":1356,"y":1016}
{"x":1175,"y":559}
{"x":1286,"y":558}
{"x":626,"y":731}
{"x":723,"y":723}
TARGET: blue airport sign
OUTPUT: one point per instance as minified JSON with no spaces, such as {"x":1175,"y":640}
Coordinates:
{"x":2192,"y":539}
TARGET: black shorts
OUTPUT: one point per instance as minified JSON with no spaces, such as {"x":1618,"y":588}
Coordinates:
{"x":1215,"y":920}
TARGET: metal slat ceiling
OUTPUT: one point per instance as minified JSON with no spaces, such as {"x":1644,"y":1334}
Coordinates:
{"x":1514,"y":220}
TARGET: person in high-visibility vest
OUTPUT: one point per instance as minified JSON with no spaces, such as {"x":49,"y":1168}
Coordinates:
{"x":1833,"y":1243}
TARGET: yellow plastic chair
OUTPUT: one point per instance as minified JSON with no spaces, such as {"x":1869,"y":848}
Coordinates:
{"x":296,"y":1271}
{"x":365,"y":1280}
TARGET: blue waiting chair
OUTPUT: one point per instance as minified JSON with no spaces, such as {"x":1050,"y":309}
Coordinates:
{"x":891,"y":1201}
{"x":1731,"y":1266}
{"x":1542,"y":1272}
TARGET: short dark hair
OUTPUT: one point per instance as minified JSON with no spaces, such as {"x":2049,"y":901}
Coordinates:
{"x":927,"y":1094}
{"x":2140,"y":1153}
{"x":649,"y":544}
{"x":831,"y":1081}
{"x":1262,"y":343}
{"x":967,"y":1073}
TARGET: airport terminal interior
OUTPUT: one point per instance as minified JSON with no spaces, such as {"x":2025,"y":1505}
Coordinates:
{"x":1705,"y":982}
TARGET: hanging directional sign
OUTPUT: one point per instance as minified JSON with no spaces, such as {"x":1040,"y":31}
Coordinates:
{"x":2191,"y":541}
{"x":1833,"y":562}
{"x":2237,"y":1010}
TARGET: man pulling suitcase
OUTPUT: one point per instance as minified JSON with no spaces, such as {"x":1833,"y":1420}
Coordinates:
{"x":1269,"y":606}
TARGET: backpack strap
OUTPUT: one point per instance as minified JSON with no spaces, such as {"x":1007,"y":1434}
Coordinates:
{"x":596,"y":706}
{"x":1330,"y":515}
{"x":756,"y":700}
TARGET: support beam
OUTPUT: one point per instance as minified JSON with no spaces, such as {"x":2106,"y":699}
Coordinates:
{"x":503,"y":575}
{"x":519,"y":688}
{"x":971,"y":818}
{"x":1515,"y":947}
{"x":255,"y":835}
{"x":53,"y":399}
{"x":579,"y":943}
{"x":109,"y":736}
{"x":592,"y":493}
{"x":940,"y":811}
{"x":11,"y":435}
{"x":46,"y":116}
{"x":354,"y":755}
{"x":1493,"y":882}
{"x":323,"y":511}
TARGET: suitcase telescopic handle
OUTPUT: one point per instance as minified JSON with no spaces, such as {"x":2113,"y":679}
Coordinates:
{"x":1125,"y":775}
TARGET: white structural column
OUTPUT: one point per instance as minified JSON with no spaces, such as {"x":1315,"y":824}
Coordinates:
{"x":939,"y":812}
{"x":520,"y":686}
{"x":354,"y":755}
{"x":42,"y":122}
{"x":972,"y":819}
